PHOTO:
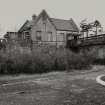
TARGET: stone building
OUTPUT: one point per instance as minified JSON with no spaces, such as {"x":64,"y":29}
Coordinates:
{"x":43,"y":29}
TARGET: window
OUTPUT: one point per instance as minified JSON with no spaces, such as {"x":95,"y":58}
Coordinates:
{"x":60,"y":37}
{"x":38,"y":36}
{"x":50,"y":37}
{"x":44,"y":25}
{"x":27,"y":35}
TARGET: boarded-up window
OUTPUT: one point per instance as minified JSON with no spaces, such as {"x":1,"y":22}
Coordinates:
{"x":38,"y":36}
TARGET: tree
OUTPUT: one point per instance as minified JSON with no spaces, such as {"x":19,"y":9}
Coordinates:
{"x":85,"y":26}
{"x":97,"y":24}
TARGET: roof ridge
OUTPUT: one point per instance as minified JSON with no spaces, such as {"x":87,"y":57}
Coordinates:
{"x":60,"y":24}
{"x":60,"y":19}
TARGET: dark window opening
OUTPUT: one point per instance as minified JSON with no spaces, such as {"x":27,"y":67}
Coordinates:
{"x":38,"y":36}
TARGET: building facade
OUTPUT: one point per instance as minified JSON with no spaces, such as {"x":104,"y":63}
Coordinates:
{"x":11,"y":36}
{"x":45,"y":30}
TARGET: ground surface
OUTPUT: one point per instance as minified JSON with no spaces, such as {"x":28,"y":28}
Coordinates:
{"x":57,"y":88}
{"x":103,"y":78}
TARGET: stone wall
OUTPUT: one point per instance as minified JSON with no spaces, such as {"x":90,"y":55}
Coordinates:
{"x":99,"y":50}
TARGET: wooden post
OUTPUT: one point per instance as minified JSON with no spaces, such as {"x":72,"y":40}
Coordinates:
{"x":96,"y":30}
{"x":66,"y":54}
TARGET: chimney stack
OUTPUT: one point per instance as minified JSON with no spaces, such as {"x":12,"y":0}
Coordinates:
{"x":33,"y":17}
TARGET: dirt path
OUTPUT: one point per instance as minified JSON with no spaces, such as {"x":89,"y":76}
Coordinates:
{"x":52,"y":89}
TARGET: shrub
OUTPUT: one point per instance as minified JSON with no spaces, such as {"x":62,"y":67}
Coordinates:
{"x":15,"y":59}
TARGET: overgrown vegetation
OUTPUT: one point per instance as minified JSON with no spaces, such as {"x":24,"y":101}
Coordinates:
{"x":15,"y":59}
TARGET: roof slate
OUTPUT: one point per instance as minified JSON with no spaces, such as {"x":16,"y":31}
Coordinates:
{"x":66,"y":25}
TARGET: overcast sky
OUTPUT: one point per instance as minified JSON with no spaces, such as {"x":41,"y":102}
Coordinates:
{"x":13,"y":13}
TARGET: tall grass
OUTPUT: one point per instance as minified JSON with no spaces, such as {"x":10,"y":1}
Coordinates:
{"x":15,"y":59}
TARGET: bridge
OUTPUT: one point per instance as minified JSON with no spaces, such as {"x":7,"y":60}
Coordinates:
{"x":87,"y":41}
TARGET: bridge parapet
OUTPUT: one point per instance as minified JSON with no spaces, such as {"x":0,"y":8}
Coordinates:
{"x":88,"y":41}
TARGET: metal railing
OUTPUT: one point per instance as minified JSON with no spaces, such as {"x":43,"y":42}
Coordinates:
{"x":92,"y":40}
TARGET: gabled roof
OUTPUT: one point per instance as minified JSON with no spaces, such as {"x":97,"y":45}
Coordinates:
{"x":27,"y":25}
{"x":23,"y":26}
{"x":30,"y":23}
{"x":64,"y":25}
{"x":44,"y":16}
{"x":59,"y":24}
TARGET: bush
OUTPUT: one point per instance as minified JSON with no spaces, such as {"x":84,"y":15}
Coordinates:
{"x":15,"y":59}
